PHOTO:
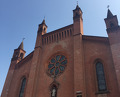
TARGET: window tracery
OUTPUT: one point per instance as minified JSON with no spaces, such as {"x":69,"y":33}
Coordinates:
{"x":57,"y":65}
{"x":22,"y":87}
{"x":100,"y":77}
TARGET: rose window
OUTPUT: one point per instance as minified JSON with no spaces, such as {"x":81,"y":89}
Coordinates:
{"x":57,"y":65}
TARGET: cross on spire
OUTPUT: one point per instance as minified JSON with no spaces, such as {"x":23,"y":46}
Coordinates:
{"x":44,"y":17}
{"x":109,"y":13}
{"x":23,"y":39}
{"x":108,"y":6}
{"x":77,"y":2}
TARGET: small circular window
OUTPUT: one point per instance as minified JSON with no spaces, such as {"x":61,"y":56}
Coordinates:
{"x":57,"y":65}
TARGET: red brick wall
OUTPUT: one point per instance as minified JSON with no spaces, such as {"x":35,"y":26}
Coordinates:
{"x":79,"y":75}
{"x":93,"y":51}
{"x":114,"y":38}
{"x":65,"y":80}
{"x":17,"y":78}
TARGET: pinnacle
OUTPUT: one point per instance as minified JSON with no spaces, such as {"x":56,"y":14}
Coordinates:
{"x":43,"y":22}
{"x":109,"y":14}
{"x":77,"y":7}
{"x":21,"y":46}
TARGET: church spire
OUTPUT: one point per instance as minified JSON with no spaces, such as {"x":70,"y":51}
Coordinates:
{"x":43,"y":22}
{"x":109,"y":14}
{"x":42,"y":27}
{"x":19,"y":53}
{"x":21,"y":46}
{"x":77,"y":8}
{"x":111,"y":21}
{"x":78,"y":20}
{"x":77,"y":12}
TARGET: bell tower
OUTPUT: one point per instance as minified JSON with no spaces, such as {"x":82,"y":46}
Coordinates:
{"x":78,"y":51}
{"x":36,"y":62}
{"x":18,"y":55}
{"x":42,"y":29}
{"x":111,"y":21}
{"x":78,"y":20}
{"x":113,"y":31}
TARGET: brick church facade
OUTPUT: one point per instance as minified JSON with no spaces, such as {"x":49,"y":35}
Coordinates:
{"x":66,"y":63}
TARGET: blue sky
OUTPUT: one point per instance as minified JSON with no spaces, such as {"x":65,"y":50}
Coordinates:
{"x":20,"y":18}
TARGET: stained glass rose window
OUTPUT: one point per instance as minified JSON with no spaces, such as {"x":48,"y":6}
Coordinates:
{"x":57,"y":65}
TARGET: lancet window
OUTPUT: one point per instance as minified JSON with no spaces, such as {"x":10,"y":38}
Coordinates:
{"x":22,"y":87}
{"x":100,"y":77}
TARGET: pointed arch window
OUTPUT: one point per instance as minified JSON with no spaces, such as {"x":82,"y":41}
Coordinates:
{"x":21,"y":55}
{"x":54,"y":91}
{"x":22,"y":87}
{"x":100,"y":77}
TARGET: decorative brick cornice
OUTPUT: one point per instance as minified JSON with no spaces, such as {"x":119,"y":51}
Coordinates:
{"x":77,"y":34}
{"x":95,"y":38}
{"x":38,"y":47}
{"x":57,"y":35}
